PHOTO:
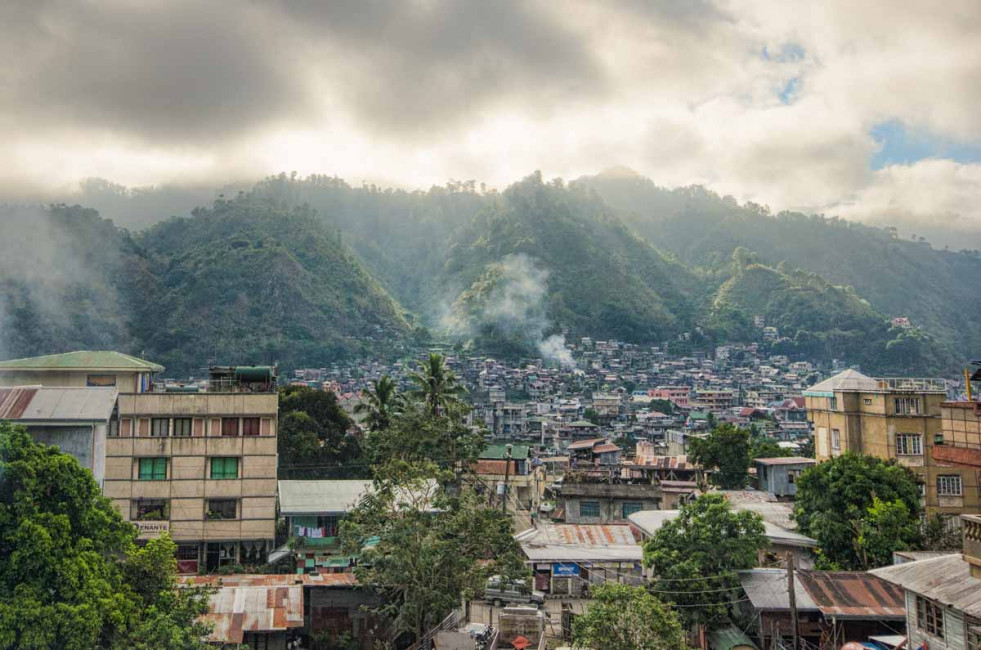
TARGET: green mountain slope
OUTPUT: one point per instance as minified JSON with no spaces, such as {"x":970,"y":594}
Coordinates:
{"x":600,"y":279}
{"x":936,"y":289}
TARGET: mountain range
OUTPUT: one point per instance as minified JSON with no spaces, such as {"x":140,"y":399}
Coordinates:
{"x":301,"y":271}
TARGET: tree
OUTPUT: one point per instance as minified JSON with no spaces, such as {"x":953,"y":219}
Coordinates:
{"x":807,"y":447}
{"x":70,"y":573}
{"x":424,"y":549}
{"x":416,"y":436}
{"x":623,"y":617}
{"x":379,"y":404}
{"x":694,"y":557}
{"x":886,"y":528}
{"x":725,"y":450}
{"x":436,"y":386}
{"x":313,"y":440}
{"x":834,"y":500}
{"x":763,"y":447}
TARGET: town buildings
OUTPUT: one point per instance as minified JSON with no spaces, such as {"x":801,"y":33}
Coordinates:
{"x":196,"y":461}
{"x":901,"y":419}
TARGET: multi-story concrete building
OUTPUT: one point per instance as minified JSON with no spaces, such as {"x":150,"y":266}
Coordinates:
{"x":200,"y":464}
{"x":894,"y":418}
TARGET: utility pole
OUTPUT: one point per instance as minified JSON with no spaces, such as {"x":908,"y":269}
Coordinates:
{"x":792,"y":592}
{"x":507,"y":474}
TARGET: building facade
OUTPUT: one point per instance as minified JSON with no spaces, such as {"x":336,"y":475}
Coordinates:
{"x":197,"y":462}
{"x":892,"y":418}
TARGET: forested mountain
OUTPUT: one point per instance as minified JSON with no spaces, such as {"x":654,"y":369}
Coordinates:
{"x":245,"y":281}
{"x":936,"y":289}
{"x":303,"y":270}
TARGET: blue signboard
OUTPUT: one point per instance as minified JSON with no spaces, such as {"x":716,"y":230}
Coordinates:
{"x":565,"y":569}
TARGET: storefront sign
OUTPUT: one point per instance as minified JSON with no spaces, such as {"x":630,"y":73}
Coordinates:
{"x":565,"y":569}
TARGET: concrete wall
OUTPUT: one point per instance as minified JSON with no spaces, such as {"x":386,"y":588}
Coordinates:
{"x":86,"y":443}
{"x":611,"y":510}
{"x":125,"y":381}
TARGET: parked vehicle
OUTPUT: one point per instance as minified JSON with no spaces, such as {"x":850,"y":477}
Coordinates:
{"x":500,"y":590}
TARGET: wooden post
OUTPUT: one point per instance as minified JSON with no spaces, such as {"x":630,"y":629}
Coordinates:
{"x":792,"y":593}
{"x":507,"y":474}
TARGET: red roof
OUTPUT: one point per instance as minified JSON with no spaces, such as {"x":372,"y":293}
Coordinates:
{"x":608,"y":447}
{"x":853,"y":594}
{"x":14,"y":401}
{"x":586,"y":444}
{"x":665,"y":462}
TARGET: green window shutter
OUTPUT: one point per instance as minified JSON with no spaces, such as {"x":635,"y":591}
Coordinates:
{"x":153,"y":469}
{"x":222,"y":468}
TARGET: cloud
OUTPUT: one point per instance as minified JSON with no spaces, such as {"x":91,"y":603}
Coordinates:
{"x":765,"y":100}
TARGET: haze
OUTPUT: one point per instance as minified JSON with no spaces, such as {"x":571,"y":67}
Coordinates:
{"x":866,"y":110}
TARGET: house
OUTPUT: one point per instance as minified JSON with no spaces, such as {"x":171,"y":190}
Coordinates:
{"x":600,"y":502}
{"x":595,"y":452}
{"x":778,"y":476}
{"x":313,"y":510}
{"x":833,"y":607}
{"x":197,"y":461}
{"x":566,"y":558}
{"x":492,"y":468}
{"x":899,"y":418}
{"x":943,"y":594}
{"x":75,"y":419}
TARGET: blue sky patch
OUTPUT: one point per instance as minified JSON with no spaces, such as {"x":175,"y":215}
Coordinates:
{"x":789,"y":90}
{"x":788,"y":53}
{"x":900,"y":145}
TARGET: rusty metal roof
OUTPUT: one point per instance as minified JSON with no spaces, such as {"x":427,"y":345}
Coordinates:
{"x":854,"y":594}
{"x":585,"y":444}
{"x":664,"y":462}
{"x":14,"y":401}
{"x":608,"y":447}
{"x":236,"y":610}
{"x":272,"y":580}
{"x":580,"y":542}
{"x":57,"y":404}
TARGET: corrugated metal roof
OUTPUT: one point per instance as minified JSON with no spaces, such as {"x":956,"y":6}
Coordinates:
{"x":729,"y":637}
{"x":767,"y":590}
{"x":500,"y":452}
{"x":585,"y":444}
{"x":272,"y":580}
{"x":236,"y":610}
{"x":786,"y":460}
{"x":319,"y":497}
{"x":606,"y":448}
{"x":853,"y":594}
{"x":13,"y":401}
{"x":650,"y":521}
{"x":57,"y":404}
{"x":83,"y":360}
{"x":581,"y":543}
{"x":665,"y":462}
{"x":945,"y":579}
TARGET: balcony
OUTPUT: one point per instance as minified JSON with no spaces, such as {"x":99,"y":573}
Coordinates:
{"x":971,"y":527}
{"x":911,"y":384}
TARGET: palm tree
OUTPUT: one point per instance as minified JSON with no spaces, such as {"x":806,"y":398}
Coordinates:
{"x":379,"y":404}
{"x":437,"y":386}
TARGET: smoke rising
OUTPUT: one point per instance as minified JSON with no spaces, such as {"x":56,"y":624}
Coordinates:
{"x":509,"y":300}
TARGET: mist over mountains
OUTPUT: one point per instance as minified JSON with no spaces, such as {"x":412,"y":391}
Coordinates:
{"x":301,"y":271}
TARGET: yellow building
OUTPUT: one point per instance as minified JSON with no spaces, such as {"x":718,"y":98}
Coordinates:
{"x":892,"y":418}
{"x":200,"y":464}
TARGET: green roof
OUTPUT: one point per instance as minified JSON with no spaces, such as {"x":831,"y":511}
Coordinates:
{"x":83,"y":360}
{"x":698,"y":415}
{"x":729,"y":637}
{"x":500,"y":452}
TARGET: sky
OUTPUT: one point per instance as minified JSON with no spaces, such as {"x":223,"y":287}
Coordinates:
{"x":865,"y":110}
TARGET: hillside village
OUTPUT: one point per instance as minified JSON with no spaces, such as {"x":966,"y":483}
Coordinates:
{"x":589,"y":463}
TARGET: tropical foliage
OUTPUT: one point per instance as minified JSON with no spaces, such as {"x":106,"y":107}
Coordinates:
{"x":623,"y":617}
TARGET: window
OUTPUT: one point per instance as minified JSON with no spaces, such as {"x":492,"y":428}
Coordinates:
{"x":833,"y":403}
{"x":182,"y":427}
{"x":792,"y":475}
{"x":907,"y":405}
{"x":630,"y":507}
{"x":250,"y":426}
{"x":835,"y":439}
{"x":868,"y":401}
{"x":113,"y":427}
{"x":229,"y":426}
{"x":159,"y":427}
{"x":949,"y":485}
{"x":973,"y":634}
{"x":151,"y":510}
{"x":100,"y":380}
{"x":221,"y":509}
{"x":589,"y":509}
{"x":153,"y":469}
{"x":187,"y":552}
{"x":929,"y":617}
{"x":909,"y":444}
{"x":224,"y":468}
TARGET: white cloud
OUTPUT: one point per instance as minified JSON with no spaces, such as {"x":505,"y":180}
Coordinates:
{"x":420,"y":92}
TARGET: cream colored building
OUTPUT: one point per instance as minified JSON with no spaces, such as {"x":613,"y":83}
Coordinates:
{"x":892,"y":418}
{"x":201,"y":465}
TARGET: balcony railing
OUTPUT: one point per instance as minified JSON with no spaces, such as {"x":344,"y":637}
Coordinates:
{"x":912,"y":384}
{"x":971,"y":527}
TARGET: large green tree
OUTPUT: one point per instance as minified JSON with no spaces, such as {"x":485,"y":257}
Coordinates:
{"x":71,"y":575}
{"x":313,"y":440}
{"x":424,"y":548}
{"x":437,"y":386}
{"x":695,"y":556}
{"x":624,"y":617}
{"x":726,"y":450}
{"x":417,"y":436}
{"x":851,"y":505}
